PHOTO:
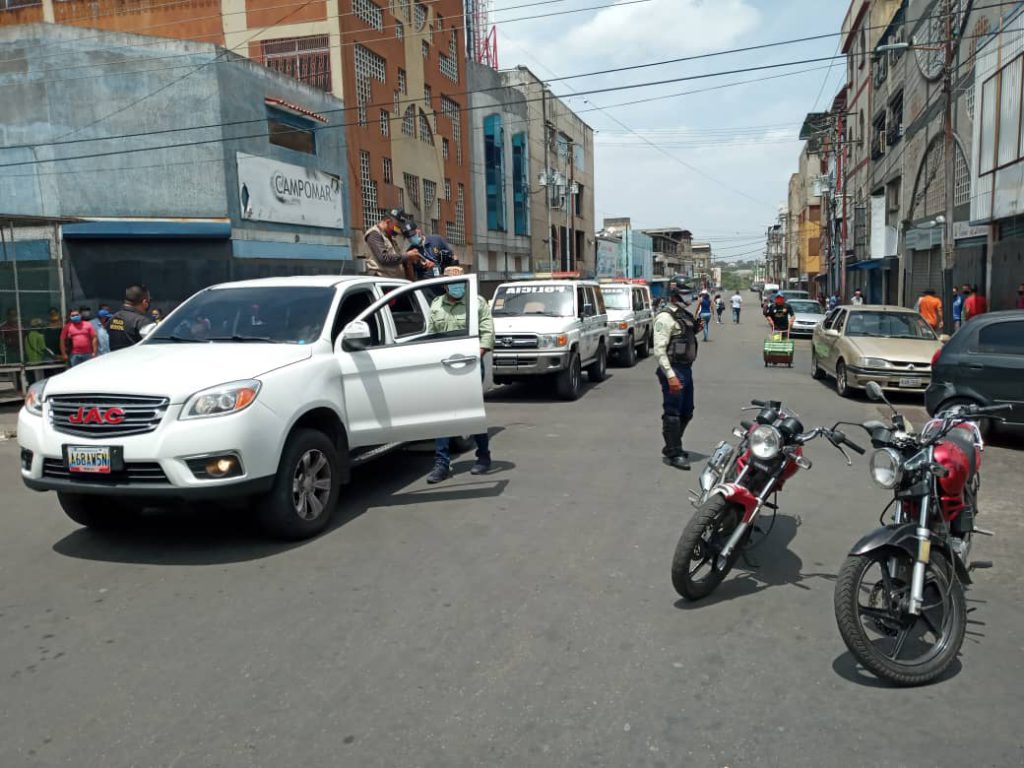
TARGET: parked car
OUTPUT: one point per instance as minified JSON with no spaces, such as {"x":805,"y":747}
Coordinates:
{"x":553,"y":329}
{"x":630,"y":321}
{"x":264,"y":391}
{"x":983,"y":364}
{"x":808,"y":316}
{"x":890,"y":345}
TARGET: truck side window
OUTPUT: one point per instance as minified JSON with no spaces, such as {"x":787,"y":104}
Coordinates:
{"x":407,"y":315}
{"x":598,"y":300}
{"x":352,"y":305}
{"x":583,"y":307}
{"x":638,"y":299}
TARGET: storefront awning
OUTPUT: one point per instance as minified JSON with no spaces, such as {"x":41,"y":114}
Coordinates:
{"x":149,"y":228}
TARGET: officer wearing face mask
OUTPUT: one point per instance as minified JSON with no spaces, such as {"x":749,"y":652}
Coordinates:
{"x":448,"y":313}
{"x":433,"y":252}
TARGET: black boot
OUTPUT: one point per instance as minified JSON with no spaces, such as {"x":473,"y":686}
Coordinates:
{"x":672,"y":432}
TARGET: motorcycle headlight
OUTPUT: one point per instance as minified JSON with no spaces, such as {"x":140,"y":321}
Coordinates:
{"x":873,"y":362}
{"x":34,"y":398}
{"x":765,"y":442}
{"x":222,"y":400}
{"x":886,"y":468}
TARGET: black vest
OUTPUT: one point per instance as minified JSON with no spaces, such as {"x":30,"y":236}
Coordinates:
{"x":682,"y":348}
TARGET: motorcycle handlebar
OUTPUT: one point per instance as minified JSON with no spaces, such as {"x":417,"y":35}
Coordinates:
{"x":758,"y":403}
{"x":844,"y":440}
{"x":992,"y":409}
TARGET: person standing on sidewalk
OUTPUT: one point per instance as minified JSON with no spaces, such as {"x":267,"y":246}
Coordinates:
{"x":957,"y":308}
{"x":125,"y":326}
{"x":975,"y":304}
{"x":858,"y":298}
{"x":78,"y":341}
{"x":675,"y":348}
{"x":929,"y":306}
{"x":737,"y":305}
{"x":704,"y":307}
{"x":448,"y":312}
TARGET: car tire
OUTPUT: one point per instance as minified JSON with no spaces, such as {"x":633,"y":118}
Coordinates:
{"x":501,"y":381}
{"x":645,"y":349}
{"x":306,"y":489}
{"x":598,"y":370}
{"x":629,"y":352}
{"x":569,"y":383}
{"x":816,"y":371}
{"x":98,"y":512}
{"x":985,"y":426}
{"x":843,"y":388}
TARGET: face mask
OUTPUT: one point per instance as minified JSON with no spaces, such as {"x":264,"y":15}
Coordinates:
{"x":457,"y":291}
{"x":76,"y":318}
{"x":416,"y":240}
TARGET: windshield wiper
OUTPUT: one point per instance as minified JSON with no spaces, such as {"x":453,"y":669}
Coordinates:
{"x":544,"y":312}
{"x":240,"y":338}
{"x":177,"y":338}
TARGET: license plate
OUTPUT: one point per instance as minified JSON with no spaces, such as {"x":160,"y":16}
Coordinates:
{"x":906,"y":382}
{"x":89,"y":459}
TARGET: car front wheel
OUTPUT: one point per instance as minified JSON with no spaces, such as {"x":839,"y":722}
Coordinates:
{"x":843,"y":388}
{"x":306,"y":488}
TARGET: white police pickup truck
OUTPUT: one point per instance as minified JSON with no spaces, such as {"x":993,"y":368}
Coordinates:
{"x":264,"y":391}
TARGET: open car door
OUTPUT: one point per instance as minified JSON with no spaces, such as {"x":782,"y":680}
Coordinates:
{"x":406,"y":379}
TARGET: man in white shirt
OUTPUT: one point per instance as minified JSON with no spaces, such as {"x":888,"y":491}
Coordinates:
{"x":737,"y":304}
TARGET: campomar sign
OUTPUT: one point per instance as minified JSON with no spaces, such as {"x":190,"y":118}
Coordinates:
{"x":270,"y":190}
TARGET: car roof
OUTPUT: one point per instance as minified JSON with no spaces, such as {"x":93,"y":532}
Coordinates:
{"x":992,"y":317}
{"x":299,"y":281}
{"x":877,"y":308}
{"x":551,"y":281}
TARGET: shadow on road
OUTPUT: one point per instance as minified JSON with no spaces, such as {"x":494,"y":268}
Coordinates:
{"x":205,"y":534}
{"x":768,"y":562}
{"x":848,"y":668}
{"x":540,"y":391}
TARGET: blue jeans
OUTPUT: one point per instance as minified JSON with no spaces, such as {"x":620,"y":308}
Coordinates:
{"x":707,"y":324}
{"x":74,"y":360}
{"x":735,"y":314}
{"x":443,"y":453}
{"x":679,"y":406}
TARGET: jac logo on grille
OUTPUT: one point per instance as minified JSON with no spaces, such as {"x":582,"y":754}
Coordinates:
{"x":96,"y":416}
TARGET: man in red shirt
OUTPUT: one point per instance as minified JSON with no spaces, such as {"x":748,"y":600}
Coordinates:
{"x":82,"y":339}
{"x":974,"y":304}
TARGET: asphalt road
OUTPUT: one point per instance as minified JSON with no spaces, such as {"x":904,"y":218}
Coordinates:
{"x":521,"y":619}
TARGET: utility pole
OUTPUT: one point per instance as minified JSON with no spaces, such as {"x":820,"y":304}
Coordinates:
{"x":547,"y":191}
{"x":949,"y":156}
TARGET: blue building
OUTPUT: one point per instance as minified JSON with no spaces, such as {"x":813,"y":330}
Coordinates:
{"x":189,"y":165}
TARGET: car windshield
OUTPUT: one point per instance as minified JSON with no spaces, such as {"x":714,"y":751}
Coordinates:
{"x":274,"y":315}
{"x":550,"y":300}
{"x":616,"y":297}
{"x":806,"y":307}
{"x":889,"y":325}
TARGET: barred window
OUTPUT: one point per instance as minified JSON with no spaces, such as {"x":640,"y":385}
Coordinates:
{"x":449,"y":67}
{"x":457,"y":230}
{"x":426,"y":135}
{"x":447,"y":189}
{"x":370,"y":13}
{"x":403,"y":87}
{"x":961,"y":180}
{"x":307,"y":59}
{"x":421,"y":17}
{"x":429,"y":198}
{"x":444,"y":148}
{"x":385,"y":122}
{"x":369,"y":191}
{"x":450,"y":109}
{"x":369,"y":66}
{"x":399,"y":30}
{"x":409,"y":121}
{"x":389,"y":171}
{"x":412,"y":188}
{"x":425,"y":47}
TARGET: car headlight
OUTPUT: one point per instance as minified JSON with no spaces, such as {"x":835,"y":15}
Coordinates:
{"x":765,"y":442}
{"x":34,"y":398}
{"x":547,"y":342}
{"x":873,"y":362}
{"x":221,"y":400}
{"x":886,"y":468}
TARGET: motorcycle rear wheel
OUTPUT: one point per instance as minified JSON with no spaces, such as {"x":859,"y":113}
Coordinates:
{"x":894,"y":645}
{"x":697,"y":569}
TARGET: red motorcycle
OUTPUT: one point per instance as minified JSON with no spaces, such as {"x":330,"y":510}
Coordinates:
{"x":735,"y":487}
{"x":899,"y":599}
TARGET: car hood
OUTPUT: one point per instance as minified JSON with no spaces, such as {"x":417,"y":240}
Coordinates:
{"x":532,"y":324}
{"x":174,"y":370}
{"x":808,"y":317}
{"x":917,"y":351}
{"x":618,"y":314}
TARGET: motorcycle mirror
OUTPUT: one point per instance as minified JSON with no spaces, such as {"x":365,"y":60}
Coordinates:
{"x":874,"y":391}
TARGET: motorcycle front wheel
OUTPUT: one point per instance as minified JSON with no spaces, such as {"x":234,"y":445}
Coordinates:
{"x":697,"y":567}
{"x":871,"y":597}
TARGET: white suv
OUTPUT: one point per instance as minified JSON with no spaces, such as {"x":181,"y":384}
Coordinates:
{"x":263,"y":391}
{"x":550,"y":328}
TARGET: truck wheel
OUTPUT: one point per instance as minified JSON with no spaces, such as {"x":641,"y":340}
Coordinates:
{"x":306,"y":488}
{"x":629,"y":353}
{"x":598,"y":370}
{"x":645,"y":349}
{"x":569,"y":382}
{"x":99,"y":512}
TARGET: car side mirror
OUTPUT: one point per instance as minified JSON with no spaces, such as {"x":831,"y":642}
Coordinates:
{"x":831,"y":332}
{"x":146,"y":330}
{"x":943,"y":338}
{"x":356,"y":336}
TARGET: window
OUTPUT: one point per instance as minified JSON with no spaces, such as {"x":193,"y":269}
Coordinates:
{"x":351,"y":307}
{"x":579,"y":157}
{"x":407,"y":314}
{"x":385,"y":122}
{"x":368,"y":187}
{"x":585,"y":301}
{"x":578,"y":204}
{"x":494,"y":172}
{"x":894,"y":131}
{"x":369,"y":12}
{"x":520,"y":184}
{"x":444,"y":148}
{"x":457,"y":228}
{"x":447,"y":189}
{"x":961,"y":179}
{"x":1009,"y":112}
{"x":368,"y":67}
{"x":399,"y":30}
{"x":451,"y":110}
{"x":425,"y":48}
{"x":412,"y":188}
{"x":307,"y":59}
{"x":402,"y":83}
{"x":986,"y":151}
{"x":409,"y":121}
{"x":448,"y":66}
{"x":291,"y":131}
{"x":428,"y":96}
{"x":878,"y":137}
{"x":429,"y":198}
{"x":426,"y":134}
{"x":420,"y":13}
{"x":1002,"y":338}
{"x":7,"y":5}
{"x":389,"y":171}
{"x":638,"y":300}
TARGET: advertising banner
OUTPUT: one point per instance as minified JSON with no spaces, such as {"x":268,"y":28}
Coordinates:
{"x":283,"y":193}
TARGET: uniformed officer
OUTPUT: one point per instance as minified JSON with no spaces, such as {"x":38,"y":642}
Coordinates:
{"x":126,"y":325}
{"x":675,"y":346}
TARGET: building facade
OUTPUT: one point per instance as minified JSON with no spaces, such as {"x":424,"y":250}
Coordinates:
{"x":400,"y":66}
{"x":260,"y":189}
{"x":635,"y":258}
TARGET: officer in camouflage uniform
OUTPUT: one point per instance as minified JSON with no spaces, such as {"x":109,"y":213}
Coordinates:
{"x":675,"y":347}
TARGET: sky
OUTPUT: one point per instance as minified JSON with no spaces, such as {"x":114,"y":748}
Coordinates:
{"x":716,"y":162}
